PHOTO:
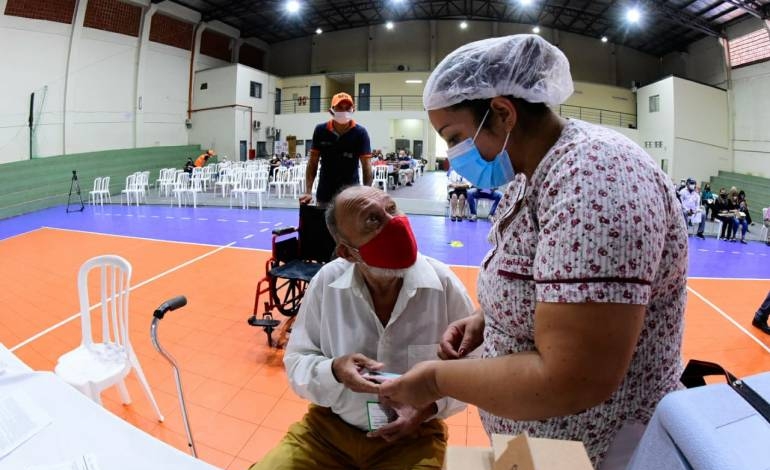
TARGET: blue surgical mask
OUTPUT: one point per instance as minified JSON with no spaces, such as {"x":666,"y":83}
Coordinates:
{"x":466,"y":160}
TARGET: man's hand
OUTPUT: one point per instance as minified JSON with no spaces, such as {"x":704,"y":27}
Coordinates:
{"x":462,"y":337}
{"x":417,"y":387}
{"x":408,"y":421}
{"x":305,"y":198}
{"x":347,"y":370}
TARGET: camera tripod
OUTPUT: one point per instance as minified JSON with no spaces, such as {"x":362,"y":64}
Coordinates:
{"x":75,"y":184}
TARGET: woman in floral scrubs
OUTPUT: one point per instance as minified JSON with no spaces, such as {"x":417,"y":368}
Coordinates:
{"x":582,"y":294}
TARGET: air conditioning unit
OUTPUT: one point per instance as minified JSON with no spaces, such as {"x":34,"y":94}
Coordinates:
{"x":269,"y":131}
{"x":257,"y":125}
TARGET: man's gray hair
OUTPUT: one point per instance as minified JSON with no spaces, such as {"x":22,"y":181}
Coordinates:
{"x":331,"y":219}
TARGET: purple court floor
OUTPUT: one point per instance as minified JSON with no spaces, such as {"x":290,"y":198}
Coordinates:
{"x":457,"y":243}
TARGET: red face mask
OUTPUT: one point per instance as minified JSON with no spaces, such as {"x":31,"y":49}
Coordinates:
{"x":393,"y":248}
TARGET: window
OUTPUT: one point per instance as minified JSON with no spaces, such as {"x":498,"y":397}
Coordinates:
{"x":255,"y":91}
{"x":750,"y":48}
{"x":654,"y":103}
{"x":204,"y":86}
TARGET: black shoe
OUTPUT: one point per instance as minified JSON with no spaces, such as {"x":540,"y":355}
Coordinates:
{"x":700,"y":235}
{"x":408,"y":184}
{"x":743,"y":241}
{"x":762,"y":325}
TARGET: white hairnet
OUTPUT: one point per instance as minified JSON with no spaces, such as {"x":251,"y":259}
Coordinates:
{"x":525,"y":66}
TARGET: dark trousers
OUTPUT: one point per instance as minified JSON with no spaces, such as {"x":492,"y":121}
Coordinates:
{"x":764,"y":309}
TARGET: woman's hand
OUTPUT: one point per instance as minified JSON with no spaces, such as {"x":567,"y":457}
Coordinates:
{"x":462,"y":336}
{"x":416,"y":388}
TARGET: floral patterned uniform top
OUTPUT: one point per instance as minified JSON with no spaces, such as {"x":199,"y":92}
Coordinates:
{"x":598,"y":221}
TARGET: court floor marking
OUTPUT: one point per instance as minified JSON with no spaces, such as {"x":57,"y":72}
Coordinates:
{"x":136,"y":286}
{"x":20,"y":234}
{"x":730,"y":319}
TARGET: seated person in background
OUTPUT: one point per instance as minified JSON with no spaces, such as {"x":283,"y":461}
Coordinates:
{"x":458,"y":192}
{"x":475,"y":193}
{"x":707,"y":200}
{"x":405,"y":171}
{"x":275,"y":162}
{"x":742,"y":199}
{"x":188,"y":166}
{"x":691,"y":207}
{"x":204,"y":158}
{"x":724,"y":208}
{"x":372,"y":309}
{"x":741,"y":218}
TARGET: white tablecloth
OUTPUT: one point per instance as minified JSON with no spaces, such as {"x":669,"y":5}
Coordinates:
{"x":80,"y":426}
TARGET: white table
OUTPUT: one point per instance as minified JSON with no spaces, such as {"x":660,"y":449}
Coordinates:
{"x":80,"y":426}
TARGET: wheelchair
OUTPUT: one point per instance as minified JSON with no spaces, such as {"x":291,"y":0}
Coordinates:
{"x":297,"y":255}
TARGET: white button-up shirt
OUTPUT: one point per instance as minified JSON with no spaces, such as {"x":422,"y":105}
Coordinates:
{"x":337,"y":318}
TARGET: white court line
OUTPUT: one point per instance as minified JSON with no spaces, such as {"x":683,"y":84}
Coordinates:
{"x":186,"y":218}
{"x":248,"y":236}
{"x":170,"y":217}
{"x":202,"y":218}
{"x":155,"y":216}
{"x":264,"y":230}
{"x":730,"y":278}
{"x":264,"y":222}
{"x":20,"y":234}
{"x":279,"y":223}
{"x":143,"y":283}
{"x":730,"y":319}
{"x":222,"y":220}
{"x":242,"y":221}
{"x":132,"y":237}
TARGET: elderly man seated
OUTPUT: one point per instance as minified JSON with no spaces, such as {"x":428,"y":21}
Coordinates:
{"x":380,"y":307}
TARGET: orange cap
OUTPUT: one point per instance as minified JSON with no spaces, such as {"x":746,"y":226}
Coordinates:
{"x":340,"y":97}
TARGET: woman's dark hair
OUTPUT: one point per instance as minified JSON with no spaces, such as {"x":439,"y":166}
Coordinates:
{"x":528,"y":112}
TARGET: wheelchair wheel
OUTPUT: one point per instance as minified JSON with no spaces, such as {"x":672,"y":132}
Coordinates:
{"x":286,"y":294}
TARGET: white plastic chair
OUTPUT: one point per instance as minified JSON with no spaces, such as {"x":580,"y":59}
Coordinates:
{"x":380,"y":177}
{"x":97,"y":365}
{"x":104,"y":190}
{"x":763,"y":227}
{"x":93,"y":194}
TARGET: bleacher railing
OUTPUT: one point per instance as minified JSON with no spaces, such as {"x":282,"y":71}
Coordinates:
{"x":414,"y":103}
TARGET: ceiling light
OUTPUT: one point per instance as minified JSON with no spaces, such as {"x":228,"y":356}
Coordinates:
{"x":389,"y":25}
{"x":463,"y":25}
{"x":536,"y":30}
{"x":604,"y":39}
{"x":633,"y":15}
{"x":412,"y":81}
{"x":525,"y":2}
{"x":292,"y":6}
{"x":319,"y":31}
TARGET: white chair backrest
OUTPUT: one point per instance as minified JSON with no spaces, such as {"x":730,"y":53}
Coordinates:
{"x":381,"y":172}
{"x":105,"y":184}
{"x":114,"y":279}
{"x":130,"y":181}
{"x":97,"y":183}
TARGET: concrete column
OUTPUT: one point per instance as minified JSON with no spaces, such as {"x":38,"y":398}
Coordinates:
{"x":235,"y":52}
{"x":495,"y":29}
{"x":614,"y":66}
{"x":69,"y":79}
{"x":370,"y":49}
{"x":141,"y":60}
{"x":433,"y":46}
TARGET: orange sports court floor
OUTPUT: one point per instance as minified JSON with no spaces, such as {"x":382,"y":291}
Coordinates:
{"x":238,"y":397}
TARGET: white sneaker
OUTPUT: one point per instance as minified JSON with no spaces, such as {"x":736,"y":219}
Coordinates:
{"x":472,"y":218}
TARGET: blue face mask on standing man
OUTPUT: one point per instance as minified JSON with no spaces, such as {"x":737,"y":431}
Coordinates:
{"x":466,"y":160}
